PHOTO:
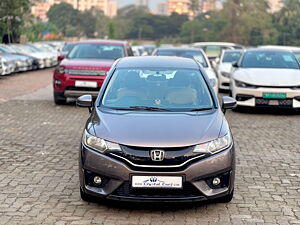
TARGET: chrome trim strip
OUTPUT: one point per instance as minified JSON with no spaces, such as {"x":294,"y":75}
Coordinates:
{"x":156,"y":166}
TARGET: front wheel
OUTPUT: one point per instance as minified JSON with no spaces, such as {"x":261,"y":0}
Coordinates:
{"x":59,"y":100}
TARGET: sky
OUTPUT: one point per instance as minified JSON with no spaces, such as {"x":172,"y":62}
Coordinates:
{"x":152,"y":3}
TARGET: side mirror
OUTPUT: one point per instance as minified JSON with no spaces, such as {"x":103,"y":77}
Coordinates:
{"x":60,"y":57}
{"x":85,"y":101}
{"x":228,"y":103}
{"x":235,"y":64}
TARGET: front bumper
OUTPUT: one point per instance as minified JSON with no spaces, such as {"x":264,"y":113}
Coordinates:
{"x":253,"y":97}
{"x":117,"y":178}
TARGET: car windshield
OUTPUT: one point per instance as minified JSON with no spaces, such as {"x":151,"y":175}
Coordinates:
{"x":197,"y":55}
{"x":96,"y":51}
{"x":269,"y":59}
{"x":165,"y":89}
{"x":230,"y":57}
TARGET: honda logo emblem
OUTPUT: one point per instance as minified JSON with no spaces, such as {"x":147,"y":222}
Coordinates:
{"x":157,"y":155}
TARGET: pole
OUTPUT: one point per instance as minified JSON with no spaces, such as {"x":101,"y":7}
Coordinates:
{"x":78,"y":20}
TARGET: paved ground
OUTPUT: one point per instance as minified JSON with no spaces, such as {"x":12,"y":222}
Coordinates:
{"x":38,"y":167}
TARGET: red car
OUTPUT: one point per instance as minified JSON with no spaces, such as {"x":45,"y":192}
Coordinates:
{"x":84,"y":69}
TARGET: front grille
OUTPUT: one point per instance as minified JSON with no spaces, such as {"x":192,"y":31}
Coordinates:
{"x":188,"y":190}
{"x":86,"y":72}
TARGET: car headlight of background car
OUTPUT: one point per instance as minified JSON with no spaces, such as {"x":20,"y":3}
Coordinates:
{"x":214,"y":146}
{"x":225,"y":74}
{"x":99,"y":144}
{"x":243,"y":84}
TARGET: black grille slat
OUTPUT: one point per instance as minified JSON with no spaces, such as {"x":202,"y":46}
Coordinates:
{"x":188,"y":190}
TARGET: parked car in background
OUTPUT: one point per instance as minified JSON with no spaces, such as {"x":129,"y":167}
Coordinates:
{"x":157,"y":133}
{"x":213,"y":50}
{"x":43,"y":59}
{"x":46,"y":50}
{"x":224,"y":67}
{"x":149,"y":48}
{"x":266,"y":78}
{"x":9,"y":65}
{"x":85,"y":67}
{"x":192,"y":53}
{"x":67,"y":48}
{"x":32,"y":62}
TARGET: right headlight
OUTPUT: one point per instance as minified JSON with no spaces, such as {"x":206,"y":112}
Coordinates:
{"x":225,"y":74}
{"x":243,"y":84}
{"x":214,"y":146}
{"x":99,"y":144}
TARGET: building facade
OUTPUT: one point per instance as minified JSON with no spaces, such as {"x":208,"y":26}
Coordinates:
{"x":39,"y":10}
{"x":182,"y":6}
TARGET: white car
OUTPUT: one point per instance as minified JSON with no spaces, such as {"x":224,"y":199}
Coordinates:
{"x":192,"y":53}
{"x":213,"y":50}
{"x":266,"y":78}
{"x":225,"y":66}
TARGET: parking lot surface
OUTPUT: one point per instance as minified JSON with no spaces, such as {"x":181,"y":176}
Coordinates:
{"x":39,"y":179}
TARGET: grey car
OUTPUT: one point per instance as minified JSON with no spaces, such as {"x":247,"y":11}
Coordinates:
{"x":156,"y":132}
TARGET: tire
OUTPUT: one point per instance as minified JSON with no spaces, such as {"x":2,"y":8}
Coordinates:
{"x":58,"y":99}
{"x":86,"y":197}
{"x":226,"y":198}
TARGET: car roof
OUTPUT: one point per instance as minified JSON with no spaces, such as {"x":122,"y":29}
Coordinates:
{"x":111,"y":42}
{"x":157,"y":62}
{"x":289,"y":48}
{"x":215,"y":43}
{"x":180,"y":49}
{"x":267,"y":50}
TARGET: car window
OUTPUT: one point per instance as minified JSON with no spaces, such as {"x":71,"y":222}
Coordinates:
{"x":67,"y":47}
{"x":197,"y":55}
{"x":172,"y":89}
{"x":269,"y":59}
{"x":230,"y":57}
{"x":96,"y":51}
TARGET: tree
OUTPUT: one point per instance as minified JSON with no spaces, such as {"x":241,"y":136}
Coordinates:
{"x":13,"y":14}
{"x":194,"y":7}
{"x":287,"y":24}
{"x":36,"y":31}
{"x":64,"y":16}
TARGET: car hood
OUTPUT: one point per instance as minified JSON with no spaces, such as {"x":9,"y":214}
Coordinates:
{"x":225,"y":67}
{"x":77,"y":63}
{"x":268,"y":77}
{"x":152,"y":129}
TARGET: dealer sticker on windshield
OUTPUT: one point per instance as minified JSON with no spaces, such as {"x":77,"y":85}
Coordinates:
{"x":270,"y":95}
{"x":156,"y":182}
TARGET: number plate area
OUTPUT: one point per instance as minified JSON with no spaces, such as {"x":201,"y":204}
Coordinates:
{"x":171,"y":182}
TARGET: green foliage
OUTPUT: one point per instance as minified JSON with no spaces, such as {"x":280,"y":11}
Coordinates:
{"x":13,"y":14}
{"x":63,"y":15}
{"x":35,"y":31}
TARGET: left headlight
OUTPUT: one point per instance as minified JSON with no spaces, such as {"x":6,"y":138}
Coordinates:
{"x":214,"y":146}
{"x":99,"y":144}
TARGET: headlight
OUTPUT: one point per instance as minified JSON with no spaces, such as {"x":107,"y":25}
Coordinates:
{"x":243,"y":84}
{"x":214,"y":146}
{"x":99,"y":144}
{"x":60,"y":69}
{"x":225,"y":74}
{"x":213,"y":82}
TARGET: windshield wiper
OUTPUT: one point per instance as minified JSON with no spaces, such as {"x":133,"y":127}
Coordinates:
{"x":147,"y":108}
{"x":201,"y":109}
